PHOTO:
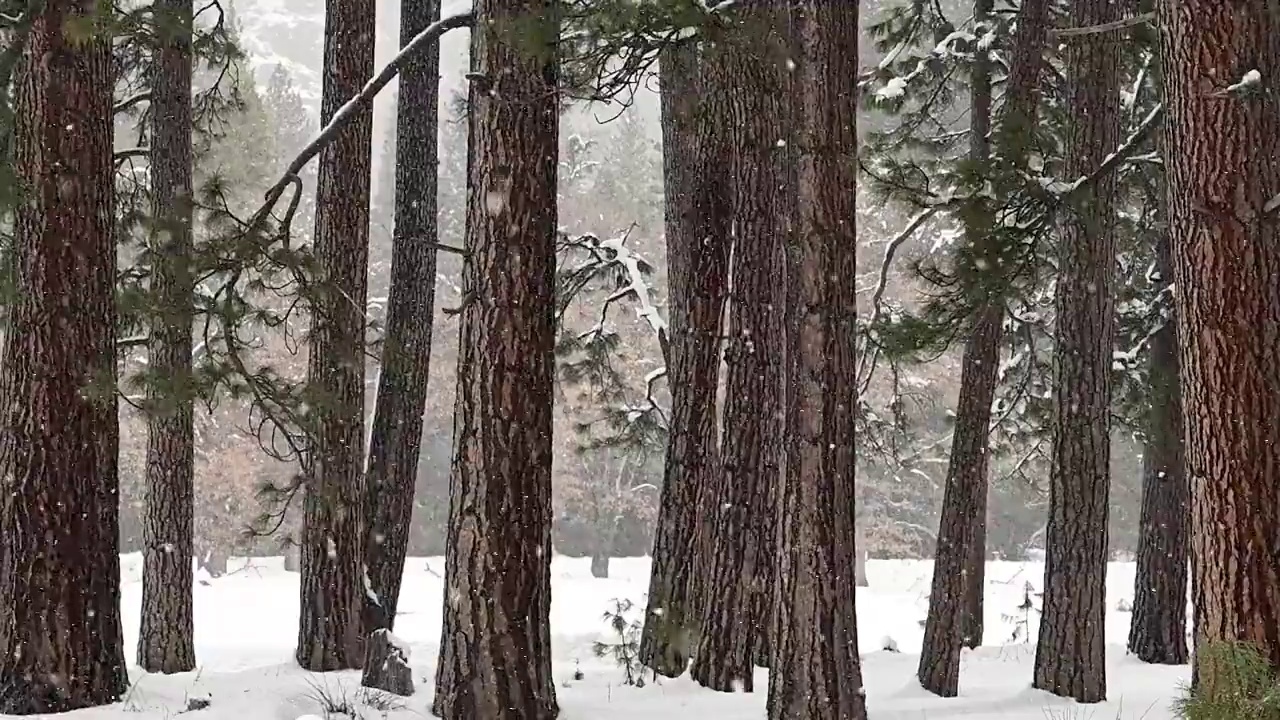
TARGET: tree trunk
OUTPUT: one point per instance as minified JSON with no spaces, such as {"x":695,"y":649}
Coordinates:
{"x":955,"y":599}
{"x":737,"y":616}
{"x":495,"y":651}
{"x":330,"y":632}
{"x":1226,"y":254}
{"x":1158,"y":629}
{"x":816,"y":673}
{"x":600,"y":564}
{"x":59,"y":518}
{"x":1071,"y":649}
{"x":698,"y":259}
{"x":396,"y":440}
{"x":165,"y":636}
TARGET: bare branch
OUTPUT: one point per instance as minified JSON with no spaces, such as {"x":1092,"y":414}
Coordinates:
{"x":1147,"y":17}
{"x":132,"y":101}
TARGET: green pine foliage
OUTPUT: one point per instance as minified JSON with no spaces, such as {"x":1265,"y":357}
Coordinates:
{"x":1235,"y":682}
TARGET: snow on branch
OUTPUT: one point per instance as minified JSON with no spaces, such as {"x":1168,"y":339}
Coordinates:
{"x":361,"y":102}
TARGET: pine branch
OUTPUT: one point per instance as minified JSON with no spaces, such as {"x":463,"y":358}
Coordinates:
{"x":1147,"y":17}
{"x":362,"y":102}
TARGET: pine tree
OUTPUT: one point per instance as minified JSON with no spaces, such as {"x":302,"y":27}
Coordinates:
{"x":165,"y":638}
{"x":816,"y":673}
{"x":697,"y":272}
{"x":59,"y":565}
{"x":330,"y":632}
{"x":495,"y":652}
{"x":736,"y":617}
{"x":1071,"y":648}
{"x":1219,"y":64}
{"x":396,"y":439}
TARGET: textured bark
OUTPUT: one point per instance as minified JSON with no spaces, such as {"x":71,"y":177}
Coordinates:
{"x":330,"y":631}
{"x":495,"y":651}
{"x":698,"y":267}
{"x":816,"y":673}
{"x":1071,"y":649}
{"x":386,"y":665}
{"x":396,"y":439}
{"x":955,"y":599}
{"x":1158,"y":629}
{"x":1226,"y":259}
{"x":165,"y":637}
{"x":948,"y":625}
{"x":59,"y":565}
{"x":737,"y":616}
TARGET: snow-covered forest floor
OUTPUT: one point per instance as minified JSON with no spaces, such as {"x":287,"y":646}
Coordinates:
{"x":246,"y":626}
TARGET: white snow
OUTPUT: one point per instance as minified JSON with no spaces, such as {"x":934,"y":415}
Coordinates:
{"x":246,"y":627}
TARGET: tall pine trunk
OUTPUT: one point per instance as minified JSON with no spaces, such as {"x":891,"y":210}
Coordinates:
{"x":165,"y":638}
{"x":816,"y":673}
{"x":737,"y":615}
{"x":955,"y":607}
{"x":396,"y":439}
{"x":1071,"y":648}
{"x":495,"y":650}
{"x":1221,"y":181}
{"x":1158,"y":629}
{"x":330,"y":632}
{"x":59,"y":519}
{"x":698,"y":266}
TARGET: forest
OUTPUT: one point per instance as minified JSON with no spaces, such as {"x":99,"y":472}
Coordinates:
{"x":507,"y":359}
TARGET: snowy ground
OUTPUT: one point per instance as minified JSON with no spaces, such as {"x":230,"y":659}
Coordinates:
{"x":246,"y":624}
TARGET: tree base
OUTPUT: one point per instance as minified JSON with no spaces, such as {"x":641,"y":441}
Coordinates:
{"x":599,"y":566}
{"x":386,"y":665}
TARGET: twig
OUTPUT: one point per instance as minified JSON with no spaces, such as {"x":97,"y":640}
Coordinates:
{"x":1147,"y":17}
{"x":130,"y":102}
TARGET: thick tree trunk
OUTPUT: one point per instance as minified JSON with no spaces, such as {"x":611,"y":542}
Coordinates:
{"x":1226,"y":252}
{"x":1071,"y":649}
{"x":1158,"y":629}
{"x":59,"y":536}
{"x":816,"y":673}
{"x":955,"y":599}
{"x":396,"y":440}
{"x":330,"y":631}
{"x":495,"y":651}
{"x":165,"y":638}
{"x":737,"y":616}
{"x":698,"y":266}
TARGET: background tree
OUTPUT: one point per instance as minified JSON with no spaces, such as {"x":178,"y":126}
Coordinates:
{"x":1071,"y":648}
{"x":165,"y":638}
{"x":495,"y":652}
{"x":698,"y":252}
{"x":330,"y":634}
{"x":736,"y":617}
{"x":980,"y":263}
{"x":60,"y":581}
{"x":395,"y":441}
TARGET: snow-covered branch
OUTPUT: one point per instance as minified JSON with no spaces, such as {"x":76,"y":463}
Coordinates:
{"x":362,"y":102}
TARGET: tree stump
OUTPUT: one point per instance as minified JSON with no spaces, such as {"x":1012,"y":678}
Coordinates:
{"x":386,"y":665}
{"x":600,"y":566}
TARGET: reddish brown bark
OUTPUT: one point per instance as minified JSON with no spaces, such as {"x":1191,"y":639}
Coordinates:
{"x":330,"y":629}
{"x":59,"y":552}
{"x":752,"y":69}
{"x":165,"y":638}
{"x":1222,"y":180}
{"x":495,"y":649}
{"x":816,"y":672}
{"x":698,"y":266}
{"x":1071,"y":648}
